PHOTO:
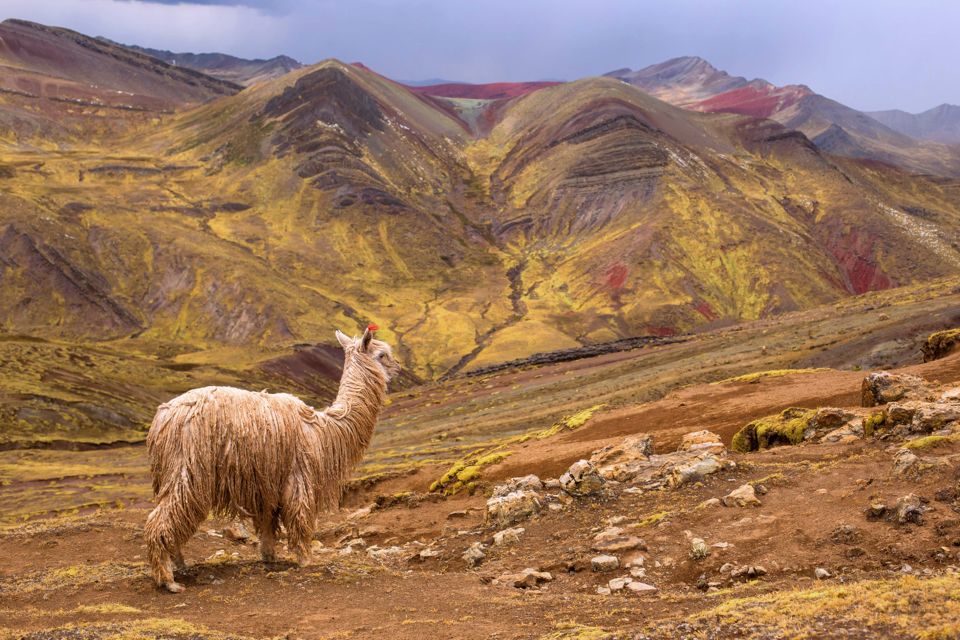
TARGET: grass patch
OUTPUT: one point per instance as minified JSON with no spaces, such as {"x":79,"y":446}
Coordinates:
{"x":773,"y":373}
{"x":928,"y":442}
{"x":905,"y":607}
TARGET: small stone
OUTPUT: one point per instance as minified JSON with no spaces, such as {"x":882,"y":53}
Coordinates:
{"x":712,"y":502}
{"x":474,"y":554}
{"x":759,"y":570}
{"x":876,"y":511}
{"x":372,"y":530}
{"x":526,"y":579}
{"x":605,"y":563}
{"x":618,"y":584}
{"x":508,"y":536}
{"x":641,"y":587}
{"x":581,"y":479}
{"x":615,"y":539}
{"x":553,"y":484}
{"x":909,"y":508}
{"x":428,"y":554}
{"x":513,"y":507}
{"x":702,"y":441}
{"x":236,"y":532}
{"x":603,"y":591}
{"x":457,"y":514}
{"x":744,"y":496}
{"x":638,"y":572}
{"x":523,"y":483}
{"x":821,"y":574}
{"x":726,"y":567}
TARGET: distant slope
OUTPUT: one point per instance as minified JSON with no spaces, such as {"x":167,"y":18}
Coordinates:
{"x":695,"y":84}
{"x":940,"y":124}
{"x":59,"y":63}
{"x":490,"y":91}
{"x":227,"y":67}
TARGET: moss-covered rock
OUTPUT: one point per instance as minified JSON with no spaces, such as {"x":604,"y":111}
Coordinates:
{"x":787,"y":427}
{"x":940,"y":344}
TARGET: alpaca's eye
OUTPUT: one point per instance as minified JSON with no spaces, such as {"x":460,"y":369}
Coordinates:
{"x":380,"y":355}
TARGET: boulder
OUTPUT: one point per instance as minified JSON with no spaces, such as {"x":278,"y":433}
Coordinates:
{"x":702,"y":441}
{"x":904,"y":462}
{"x":525,"y":483}
{"x":694,"y":470}
{"x":508,"y":536}
{"x":940,"y":344}
{"x":899,"y":413}
{"x":884,"y":387}
{"x":513,"y":507}
{"x":951,"y":395}
{"x":582,"y":479}
{"x":616,"y":539}
{"x":743,"y":496}
{"x":641,"y":587}
{"x":475,"y":554}
{"x":630,"y":449}
{"x":909,"y":508}
{"x":526,"y":579}
{"x":605,"y":563}
{"x":931,"y":416}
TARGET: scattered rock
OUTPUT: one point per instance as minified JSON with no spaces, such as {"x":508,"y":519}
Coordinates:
{"x":526,"y":579}
{"x":236,"y":532}
{"x":876,"y":511}
{"x":904,"y":462}
{"x":524,"y":483}
{"x":581,"y":479}
{"x":615,"y":539}
{"x":909,"y":508}
{"x":508,"y":536}
{"x":950,"y":395}
{"x":617,"y":584}
{"x":641,"y":587}
{"x":513,"y":507}
{"x":603,"y":591}
{"x":428,"y":554}
{"x":694,"y":470}
{"x":475,"y":554}
{"x":605,"y":563}
{"x":931,"y":416}
{"x":744,"y":496}
{"x":712,"y":502}
{"x":821,"y":574}
{"x":372,"y":530}
{"x":385,"y":554}
{"x":631,"y":449}
{"x":701,"y":441}
{"x":884,"y":387}
{"x":456,"y":514}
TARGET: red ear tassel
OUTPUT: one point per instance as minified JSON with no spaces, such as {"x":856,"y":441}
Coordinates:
{"x":372,"y":327}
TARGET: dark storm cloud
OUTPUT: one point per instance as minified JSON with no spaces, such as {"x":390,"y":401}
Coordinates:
{"x":870,"y":55}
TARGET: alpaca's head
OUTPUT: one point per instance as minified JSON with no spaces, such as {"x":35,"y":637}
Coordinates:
{"x":369,"y":353}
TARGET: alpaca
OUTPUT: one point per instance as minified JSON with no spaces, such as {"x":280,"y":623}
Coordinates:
{"x":266,"y":456}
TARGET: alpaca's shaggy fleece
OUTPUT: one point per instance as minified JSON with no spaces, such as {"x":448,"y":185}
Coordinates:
{"x":266,"y":456}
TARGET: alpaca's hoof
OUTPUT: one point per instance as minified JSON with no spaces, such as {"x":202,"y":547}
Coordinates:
{"x":174,"y":587}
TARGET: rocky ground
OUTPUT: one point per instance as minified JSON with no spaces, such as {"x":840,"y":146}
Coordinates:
{"x":636,"y":522}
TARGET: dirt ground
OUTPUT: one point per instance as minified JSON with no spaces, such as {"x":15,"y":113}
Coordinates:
{"x":83,"y":574}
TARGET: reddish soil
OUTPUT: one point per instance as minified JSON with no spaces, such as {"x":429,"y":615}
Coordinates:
{"x":490,"y":91}
{"x":752,"y":100}
{"x":57,"y":571}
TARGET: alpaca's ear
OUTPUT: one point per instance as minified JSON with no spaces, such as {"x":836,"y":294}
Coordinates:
{"x":365,"y":340}
{"x":344,"y":341}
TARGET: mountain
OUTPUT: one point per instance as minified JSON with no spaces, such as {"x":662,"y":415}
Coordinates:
{"x":940,"y":124}
{"x":693,"y":83}
{"x":226,"y":67}
{"x":682,"y":81}
{"x":331,"y":196}
{"x":489,"y":91}
{"x":58,"y":64}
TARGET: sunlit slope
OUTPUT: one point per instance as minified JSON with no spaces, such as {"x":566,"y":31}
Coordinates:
{"x":632,"y":216}
{"x":331,"y":197}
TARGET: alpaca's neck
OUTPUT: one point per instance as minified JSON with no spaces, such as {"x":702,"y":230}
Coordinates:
{"x":357,"y":406}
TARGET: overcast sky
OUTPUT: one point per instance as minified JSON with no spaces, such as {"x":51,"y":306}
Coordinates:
{"x":870,"y":54}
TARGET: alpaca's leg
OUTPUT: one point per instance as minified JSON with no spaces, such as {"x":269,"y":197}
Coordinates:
{"x":299,"y":521}
{"x":174,"y":520}
{"x":159,"y":535}
{"x":266,"y":526}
